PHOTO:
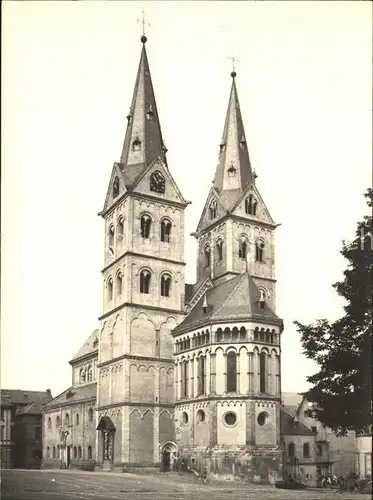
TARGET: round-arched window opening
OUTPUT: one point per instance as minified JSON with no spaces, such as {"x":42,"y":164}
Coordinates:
{"x":201,"y":416}
{"x":262,"y":418}
{"x":184,"y":417}
{"x":230,"y":418}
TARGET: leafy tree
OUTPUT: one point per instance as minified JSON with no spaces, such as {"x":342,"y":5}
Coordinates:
{"x":342,"y":388}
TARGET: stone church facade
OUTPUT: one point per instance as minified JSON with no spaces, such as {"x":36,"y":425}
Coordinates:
{"x":175,"y":371}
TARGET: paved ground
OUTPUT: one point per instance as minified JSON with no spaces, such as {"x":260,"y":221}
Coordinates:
{"x":62,"y":485}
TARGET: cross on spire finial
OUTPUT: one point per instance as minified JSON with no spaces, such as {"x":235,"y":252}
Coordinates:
{"x":143,"y":20}
{"x":234,"y":60}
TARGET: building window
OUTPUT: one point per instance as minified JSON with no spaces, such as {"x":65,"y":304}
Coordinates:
{"x":259,"y":248}
{"x":77,"y":419}
{"x":213,"y":209}
{"x":262,"y":418}
{"x":48,"y":452}
{"x":262,"y":372}
{"x":82,"y":375}
{"x":54,"y":452}
{"x":120,"y":227}
{"x":144,"y":281}
{"x":75,"y":450}
{"x":184,"y":379}
{"x":136,"y":145}
{"x":231,"y":372}
{"x":145,"y":223}
{"x":314,"y":429}
{"x":115,"y":187}
{"x":90,"y":414}
{"x":306,"y":450}
{"x":291,"y":450}
{"x":242,"y":249}
{"x":49,"y":423}
{"x":230,"y":419}
{"x":250,"y":205}
{"x":111,"y":237}
{"x":157,"y":182}
{"x":110,"y":288}
{"x":58,"y":451}
{"x":58,"y":421}
{"x":166,"y":230}
{"x":89,"y":373}
{"x":89,"y":452}
{"x":119,"y":279}
{"x":219,"y":248}
{"x":67,"y":419}
{"x":184,"y":417}
{"x":79,"y":452}
{"x":165,"y":285}
{"x":201,"y":375}
{"x":207,"y":253}
{"x":201,"y":416}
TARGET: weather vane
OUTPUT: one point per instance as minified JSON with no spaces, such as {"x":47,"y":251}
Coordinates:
{"x":143,"y":22}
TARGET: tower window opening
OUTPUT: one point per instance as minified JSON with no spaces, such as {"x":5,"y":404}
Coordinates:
{"x":259,"y":249}
{"x":89,"y":373}
{"x":150,"y":113}
{"x":242,"y":249}
{"x":207,"y":252}
{"x":119,"y":283}
{"x":166,"y":230}
{"x":111,"y":237}
{"x":157,"y":182}
{"x":115,"y":187}
{"x":262,"y":373}
{"x":231,"y":171}
{"x":250,"y":205}
{"x":110,"y":288}
{"x":136,"y":145}
{"x":145,"y":281}
{"x":120,"y":227}
{"x":219,"y":248}
{"x":145,"y":223}
{"x":165,"y":285}
{"x":231,"y":372}
{"x":213,"y":209}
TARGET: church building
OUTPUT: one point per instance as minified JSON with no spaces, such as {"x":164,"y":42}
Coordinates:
{"x":176,"y":371}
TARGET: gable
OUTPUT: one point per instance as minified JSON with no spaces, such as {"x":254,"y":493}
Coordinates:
{"x":213,"y":199}
{"x":118,"y":179}
{"x":152,"y":180}
{"x":261,"y":213}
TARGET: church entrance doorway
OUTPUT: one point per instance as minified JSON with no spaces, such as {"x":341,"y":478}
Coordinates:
{"x":107,"y":431}
{"x":168,"y":456}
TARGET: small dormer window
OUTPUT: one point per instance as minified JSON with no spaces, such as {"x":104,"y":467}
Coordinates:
{"x":242,"y":141}
{"x":213,"y":209}
{"x":150,"y":113}
{"x":262,"y":298}
{"x":231,"y":170}
{"x":222,"y":147}
{"x":157,"y":182}
{"x":136,"y":145}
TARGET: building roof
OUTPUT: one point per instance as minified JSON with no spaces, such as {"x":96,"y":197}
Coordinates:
{"x":23,"y":397}
{"x":234,"y":154}
{"x":235,"y":299}
{"x":73,"y":395}
{"x":143,"y":125}
{"x":290,"y":427}
{"x":35,"y":408}
{"x":89,"y":347}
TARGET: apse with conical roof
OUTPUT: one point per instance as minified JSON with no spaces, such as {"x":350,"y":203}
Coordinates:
{"x":143,"y":140}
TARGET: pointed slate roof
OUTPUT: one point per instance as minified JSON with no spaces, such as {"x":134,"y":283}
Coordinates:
{"x":235,"y":299}
{"x":143,"y":140}
{"x":234,"y":155}
{"x":89,"y":347}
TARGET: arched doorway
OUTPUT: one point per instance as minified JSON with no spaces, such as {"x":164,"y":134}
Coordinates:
{"x":168,"y":456}
{"x":107,"y":430}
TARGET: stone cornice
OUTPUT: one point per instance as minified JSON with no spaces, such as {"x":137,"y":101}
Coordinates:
{"x":226,"y":397}
{"x":139,"y":358}
{"x":132,"y":403}
{"x":140,"y":306}
{"x":85,"y":357}
{"x":237,"y":218}
{"x":53,"y":407}
{"x":142,"y":255}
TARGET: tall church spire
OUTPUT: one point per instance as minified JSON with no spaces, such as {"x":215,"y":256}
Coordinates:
{"x":233,"y":173}
{"x":143,"y":140}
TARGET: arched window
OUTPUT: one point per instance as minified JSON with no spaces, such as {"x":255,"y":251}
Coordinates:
{"x":79,"y":452}
{"x":119,"y":280}
{"x":58,"y":451}
{"x":306,"y":450}
{"x":75,"y":453}
{"x":165,"y":285}
{"x":184,"y":379}
{"x":48,"y":452}
{"x":219,"y":248}
{"x":67,"y":419}
{"x":213,"y":211}
{"x":90,"y":414}
{"x":262,"y":372}
{"x":54,"y":452}
{"x":242,"y":248}
{"x":145,"y":281}
{"x":259,"y":248}
{"x":256,"y":334}
{"x":242,"y":333}
{"x":49,"y":423}
{"x":115,"y":187}
{"x":110,"y":288}
{"x":219,"y":335}
{"x":250,"y":205}
{"x":89,"y":373}
{"x":111,"y":237}
{"x":291,"y":450}
{"x":82,"y":375}
{"x":157,"y":182}
{"x":207,"y":253}
{"x":58,"y":421}
{"x":231,"y":372}
{"x":120,"y":227}
{"x":77,"y":419}
{"x":234,"y":334}
{"x":201,"y":375}
{"x":136,"y":145}
{"x":166,"y":230}
{"x":145,"y":223}
{"x":90,"y":452}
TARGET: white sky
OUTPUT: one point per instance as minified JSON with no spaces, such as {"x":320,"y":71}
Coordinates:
{"x":304,"y":83}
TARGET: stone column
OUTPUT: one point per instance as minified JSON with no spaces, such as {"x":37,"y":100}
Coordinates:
{"x":125,"y":434}
{"x":256,"y":369}
{"x":191,"y":378}
{"x":273,"y":373}
{"x":208,"y":374}
{"x":238,"y":364}
{"x":156,"y":435}
{"x":196,"y":376}
{"x":250,"y":387}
